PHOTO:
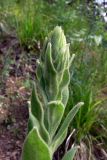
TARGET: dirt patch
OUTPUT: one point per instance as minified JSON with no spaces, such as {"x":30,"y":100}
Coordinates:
{"x":12,"y":133}
{"x":16,"y":70}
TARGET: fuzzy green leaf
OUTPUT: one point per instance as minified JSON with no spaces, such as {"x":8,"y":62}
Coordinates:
{"x":55,"y":113}
{"x":55,"y":144}
{"x":70,"y":154}
{"x":36,"y":106}
{"x":68,"y":120}
{"x":35,"y":148}
{"x":50,"y":76}
{"x":65,"y":79}
{"x":65,"y":95}
{"x":33,"y":122}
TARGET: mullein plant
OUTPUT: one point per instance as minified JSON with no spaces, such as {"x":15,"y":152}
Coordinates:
{"x":47,"y":128}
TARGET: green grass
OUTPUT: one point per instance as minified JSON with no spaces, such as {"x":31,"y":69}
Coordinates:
{"x":30,"y":23}
{"x":88,"y":113}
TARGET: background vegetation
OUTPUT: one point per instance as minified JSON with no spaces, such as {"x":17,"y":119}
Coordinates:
{"x":25,"y":24}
